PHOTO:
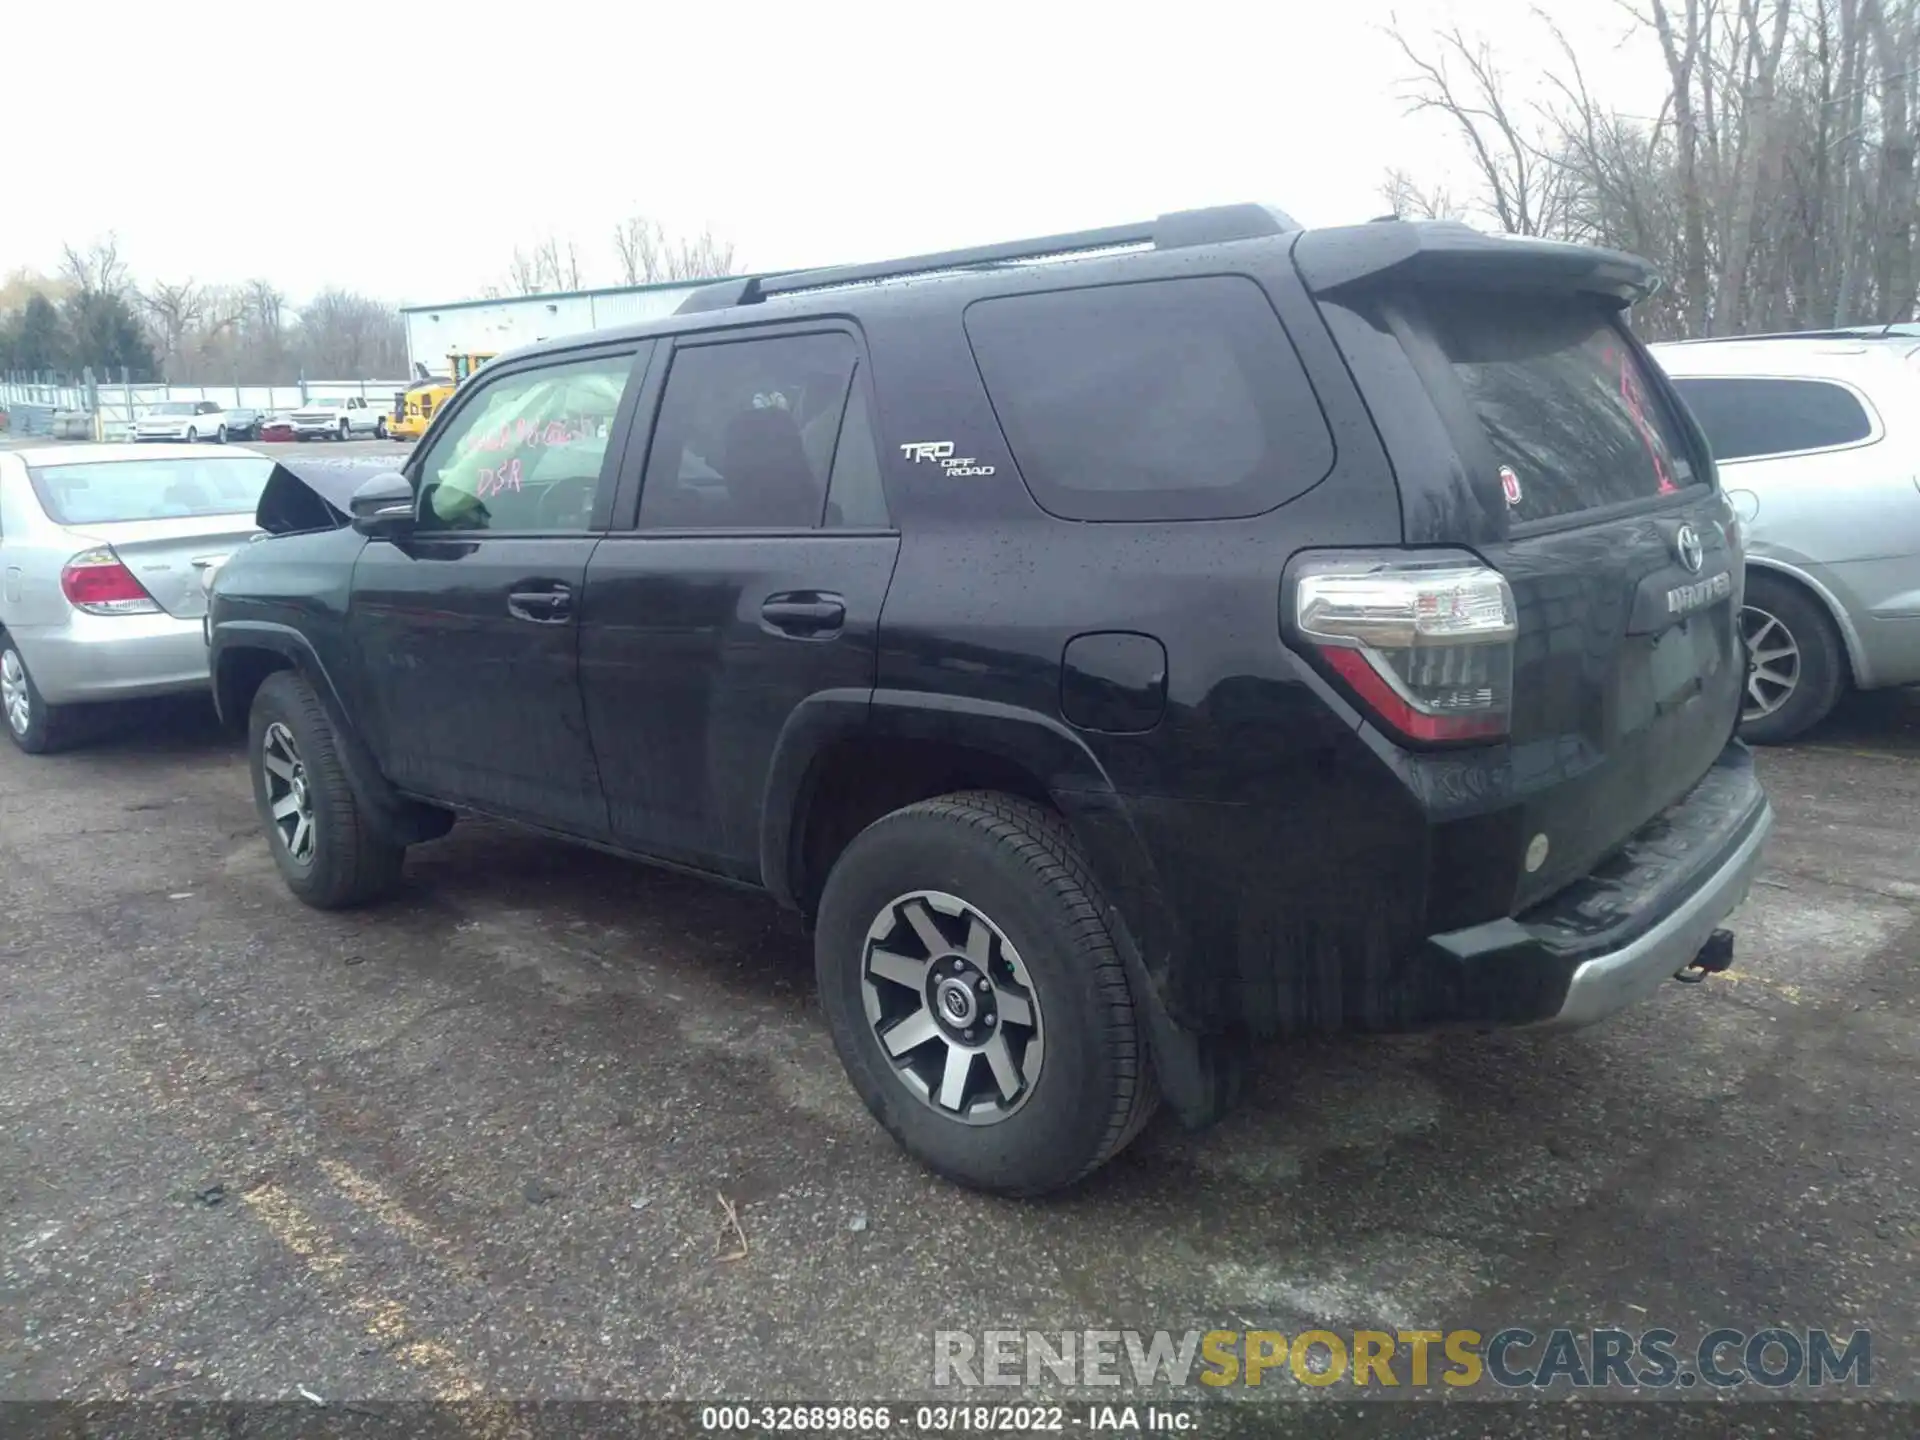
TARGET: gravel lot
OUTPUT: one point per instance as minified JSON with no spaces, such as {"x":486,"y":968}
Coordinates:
{"x":473,"y":1143}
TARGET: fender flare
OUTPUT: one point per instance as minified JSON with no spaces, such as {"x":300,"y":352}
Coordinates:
{"x":405,"y":821}
{"x":1199,"y":1074}
{"x":1858,"y":661}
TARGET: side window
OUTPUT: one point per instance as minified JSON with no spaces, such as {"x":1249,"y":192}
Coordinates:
{"x":855,"y":496}
{"x":1745,"y":418}
{"x":1164,"y":400}
{"x":525,"y":453}
{"x":746,"y":434}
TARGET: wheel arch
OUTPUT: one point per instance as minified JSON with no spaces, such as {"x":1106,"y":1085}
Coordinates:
{"x":247,"y":652}
{"x":1859,"y":664}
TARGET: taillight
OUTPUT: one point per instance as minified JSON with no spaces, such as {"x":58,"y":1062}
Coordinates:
{"x":1425,"y":644}
{"x":95,"y":581}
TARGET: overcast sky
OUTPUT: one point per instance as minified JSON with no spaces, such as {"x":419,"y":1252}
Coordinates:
{"x":405,"y":150}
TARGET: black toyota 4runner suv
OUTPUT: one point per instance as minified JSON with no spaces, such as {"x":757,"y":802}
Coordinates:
{"x":1121,"y":646}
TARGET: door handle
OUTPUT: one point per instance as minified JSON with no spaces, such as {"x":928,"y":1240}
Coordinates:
{"x":550,"y":606}
{"x":804,"y":612}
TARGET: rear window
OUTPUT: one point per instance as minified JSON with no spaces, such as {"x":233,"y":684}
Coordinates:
{"x":1566,"y":405}
{"x":1746,"y":418}
{"x":1164,"y":400}
{"x":111,"y":491}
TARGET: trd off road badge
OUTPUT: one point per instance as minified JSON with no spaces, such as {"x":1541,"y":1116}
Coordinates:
{"x":1509,"y":485}
{"x":940,"y":452}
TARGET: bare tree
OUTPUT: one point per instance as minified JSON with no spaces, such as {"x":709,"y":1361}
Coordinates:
{"x":1775,"y":187}
{"x":172,"y":310}
{"x":1523,"y":190}
{"x":1408,"y":200}
{"x":96,"y":270}
{"x":648,"y":257}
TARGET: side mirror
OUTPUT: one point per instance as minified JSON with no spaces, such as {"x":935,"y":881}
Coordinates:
{"x":383,"y":507}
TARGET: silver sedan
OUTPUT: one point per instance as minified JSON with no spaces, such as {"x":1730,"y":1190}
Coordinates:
{"x":103,"y":550}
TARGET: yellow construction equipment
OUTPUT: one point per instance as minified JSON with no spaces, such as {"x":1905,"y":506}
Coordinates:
{"x":415,"y":406}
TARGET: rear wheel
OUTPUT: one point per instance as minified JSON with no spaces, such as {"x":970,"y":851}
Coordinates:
{"x":327,"y":850}
{"x":380,"y":429}
{"x":345,"y":430}
{"x":193,"y":435}
{"x":36,"y":727}
{"x":220,"y":435}
{"x":1796,"y":664}
{"x":975,"y":995}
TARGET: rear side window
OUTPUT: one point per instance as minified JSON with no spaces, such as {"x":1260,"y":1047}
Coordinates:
{"x":1165,"y":400}
{"x":1568,"y":409}
{"x":1744,"y":418}
{"x":747,"y":434}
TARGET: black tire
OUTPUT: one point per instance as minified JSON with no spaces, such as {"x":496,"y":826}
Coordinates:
{"x":1820,"y":672}
{"x":344,"y":431}
{"x":49,"y":727}
{"x":380,"y":429}
{"x":220,"y":436}
{"x":1021,"y":867}
{"x":193,"y":436}
{"x":350,"y":863}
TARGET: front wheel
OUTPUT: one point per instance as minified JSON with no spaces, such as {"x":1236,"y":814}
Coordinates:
{"x":976,"y":997}
{"x":1796,"y":664}
{"x":323,"y":842}
{"x":36,"y":727}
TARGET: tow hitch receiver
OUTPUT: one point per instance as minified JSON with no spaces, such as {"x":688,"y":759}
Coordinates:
{"x":1716,"y":955}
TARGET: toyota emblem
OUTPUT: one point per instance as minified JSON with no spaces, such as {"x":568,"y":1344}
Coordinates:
{"x":1686,"y":544}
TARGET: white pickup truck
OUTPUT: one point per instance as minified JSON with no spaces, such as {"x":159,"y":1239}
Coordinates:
{"x":339,"y":419}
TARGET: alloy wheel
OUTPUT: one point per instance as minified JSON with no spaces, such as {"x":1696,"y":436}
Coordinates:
{"x":953,"y":1006}
{"x":289,"y":793}
{"x":13,"y":692}
{"x":1773,"y":663}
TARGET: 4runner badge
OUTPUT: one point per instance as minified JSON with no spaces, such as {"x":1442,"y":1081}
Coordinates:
{"x":940,"y":452}
{"x":1510,"y":485}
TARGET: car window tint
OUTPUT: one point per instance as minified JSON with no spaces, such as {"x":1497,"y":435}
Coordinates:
{"x":854,"y":493}
{"x":525,"y":453}
{"x":746,"y":434}
{"x":1744,"y":417}
{"x":1168,"y":400}
{"x":1564,"y":401}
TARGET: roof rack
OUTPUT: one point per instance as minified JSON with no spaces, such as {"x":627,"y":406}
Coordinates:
{"x":1177,"y":230}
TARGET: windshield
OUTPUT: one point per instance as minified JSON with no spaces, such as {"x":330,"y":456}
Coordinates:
{"x":107,"y":492}
{"x":1565,"y":402}
{"x":172,"y":407}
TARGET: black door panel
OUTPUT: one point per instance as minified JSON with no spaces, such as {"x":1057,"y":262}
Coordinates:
{"x":694,"y":651}
{"x":475,"y":704}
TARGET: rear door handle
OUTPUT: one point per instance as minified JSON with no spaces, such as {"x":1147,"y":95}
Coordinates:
{"x":550,"y":605}
{"x":804,"y":612}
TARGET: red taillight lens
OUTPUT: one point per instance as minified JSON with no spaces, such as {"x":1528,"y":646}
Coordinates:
{"x":1426,"y":645}
{"x":95,"y":581}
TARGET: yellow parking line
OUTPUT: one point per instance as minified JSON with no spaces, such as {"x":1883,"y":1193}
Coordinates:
{"x":386,"y":1320}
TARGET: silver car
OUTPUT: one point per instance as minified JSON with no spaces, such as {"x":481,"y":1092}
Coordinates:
{"x":1817,"y":438}
{"x":103,"y":549}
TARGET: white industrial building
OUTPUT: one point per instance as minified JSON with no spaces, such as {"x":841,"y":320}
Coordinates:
{"x":491,"y":327}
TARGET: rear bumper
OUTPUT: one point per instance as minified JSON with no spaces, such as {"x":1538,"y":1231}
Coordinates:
{"x":1611,"y":938}
{"x":115,"y":657}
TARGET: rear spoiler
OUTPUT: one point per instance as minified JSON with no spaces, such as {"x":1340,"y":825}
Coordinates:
{"x":1447,"y":253}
